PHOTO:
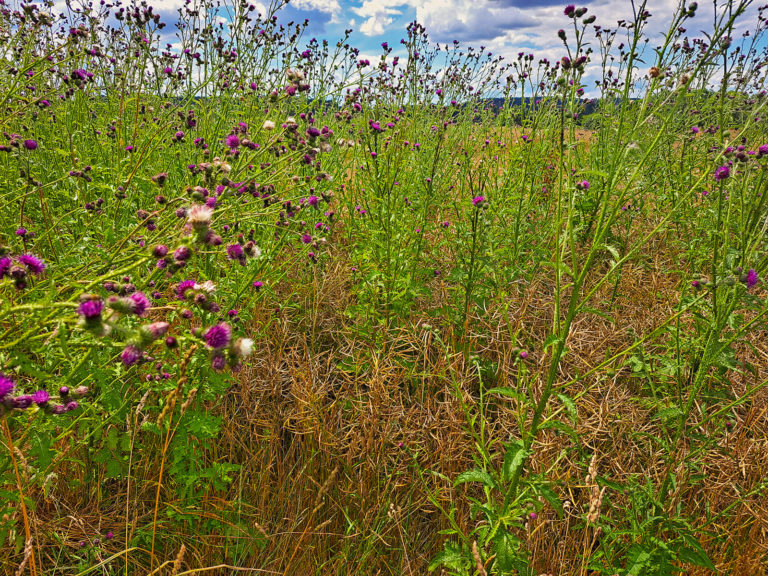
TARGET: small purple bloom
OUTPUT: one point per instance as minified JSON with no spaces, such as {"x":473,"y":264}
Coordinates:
{"x":140,"y":303}
{"x":131,"y":355}
{"x":33,"y":263}
{"x":235,"y":252}
{"x":218,"y":336}
{"x":30,"y":144}
{"x":5,"y":267}
{"x":232,"y":141}
{"x":21,"y":232}
{"x":6,"y":386}
{"x":41,"y":397}
{"x":478,"y":201}
{"x":721,"y":173}
{"x":258,"y":284}
{"x":752,"y":278}
{"x":183,"y":287}
{"x":91,"y":309}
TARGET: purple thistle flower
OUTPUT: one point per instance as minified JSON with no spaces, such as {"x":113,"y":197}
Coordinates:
{"x":33,"y":263}
{"x":258,"y":284}
{"x":752,"y":278}
{"x":182,"y":254}
{"x":5,"y":267}
{"x":30,"y":144}
{"x":762,"y":150}
{"x":721,"y":173}
{"x":235,"y":252}
{"x":232,"y":141}
{"x":140,"y":303}
{"x":6,"y":386}
{"x":156,"y":330}
{"x":22,"y":402}
{"x":218,"y":362}
{"x":218,"y":336}
{"x":478,"y":201}
{"x":306,"y":238}
{"x":183,"y":287}
{"x":570,"y":10}
{"x":160,"y":251}
{"x":131,"y":355}
{"x":91,"y":309}
{"x":41,"y":397}
{"x":21,"y":232}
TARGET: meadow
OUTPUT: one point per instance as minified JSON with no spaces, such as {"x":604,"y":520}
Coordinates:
{"x":269,"y":306}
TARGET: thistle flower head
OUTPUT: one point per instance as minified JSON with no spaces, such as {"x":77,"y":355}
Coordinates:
{"x":154,"y":331}
{"x":131,"y":354}
{"x":6,"y":386}
{"x":41,"y":397}
{"x":218,"y":336}
{"x":5,"y":267}
{"x":33,"y":263}
{"x":184,"y":287}
{"x":139,"y":303}
{"x":199,"y":216}
{"x":722,"y":173}
{"x":91,"y":310}
{"x":243,"y":347}
{"x":235,"y":252}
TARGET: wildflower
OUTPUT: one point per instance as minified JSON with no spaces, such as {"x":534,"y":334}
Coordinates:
{"x":91,"y":310}
{"x":5,"y":267}
{"x":139,"y":303}
{"x":762,"y":150}
{"x":218,"y":361}
{"x":154,"y":331}
{"x":30,"y":144}
{"x":235,"y":252}
{"x":570,"y":10}
{"x":206,"y":286}
{"x":33,"y":263}
{"x":182,"y":254}
{"x":160,"y":251}
{"x":232,"y":141}
{"x":131,"y":354}
{"x":22,"y":402}
{"x":41,"y":397}
{"x":243,"y":347}
{"x":21,"y":232}
{"x":218,"y":336}
{"x":306,"y":238}
{"x":722,"y":173}
{"x":6,"y":386}
{"x":183,"y":288}
{"x":268,"y":125}
{"x":199,"y":216}
{"x":478,"y":201}
{"x":750,"y":278}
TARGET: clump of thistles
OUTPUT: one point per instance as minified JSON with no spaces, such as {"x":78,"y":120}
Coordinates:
{"x":225,"y":351}
{"x":40,"y":399}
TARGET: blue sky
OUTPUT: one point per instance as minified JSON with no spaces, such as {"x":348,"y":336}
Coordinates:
{"x":504,"y":27}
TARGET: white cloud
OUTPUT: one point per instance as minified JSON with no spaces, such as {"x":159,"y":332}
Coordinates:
{"x":378,"y":15}
{"x":326,"y":6}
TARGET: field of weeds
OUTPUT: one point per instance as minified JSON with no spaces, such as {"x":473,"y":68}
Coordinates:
{"x":268,"y":306}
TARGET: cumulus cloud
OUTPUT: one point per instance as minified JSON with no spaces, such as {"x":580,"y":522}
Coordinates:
{"x":325,"y":6}
{"x":378,"y":15}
